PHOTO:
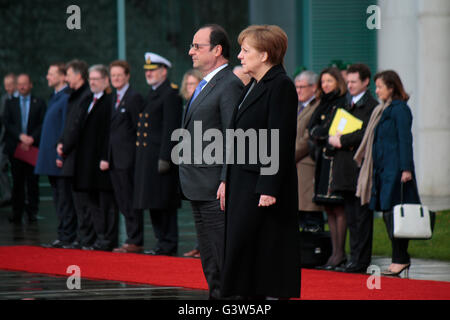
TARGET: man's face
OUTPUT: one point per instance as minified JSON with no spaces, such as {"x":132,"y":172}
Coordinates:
{"x":304,"y":90}
{"x":203,"y":58}
{"x":10,"y":85}
{"x":355,"y":85}
{"x":96,"y":82}
{"x":24,"y":85}
{"x":155,"y":76}
{"x":54,"y":77}
{"x":118,"y":77}
{"x":72,"y":78}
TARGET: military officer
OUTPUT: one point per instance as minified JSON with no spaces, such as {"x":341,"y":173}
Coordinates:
{"x":156,"y":177}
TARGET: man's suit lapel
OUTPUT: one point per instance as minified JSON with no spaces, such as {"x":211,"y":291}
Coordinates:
{"x":202,"y":95}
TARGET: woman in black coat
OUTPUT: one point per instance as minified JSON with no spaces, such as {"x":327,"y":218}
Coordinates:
{"x":387,"y":145}
{"x":261,"y":231}
{"x":331,"y":90}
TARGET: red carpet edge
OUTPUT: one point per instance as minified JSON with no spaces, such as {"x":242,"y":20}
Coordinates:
{"x":187,"y":273}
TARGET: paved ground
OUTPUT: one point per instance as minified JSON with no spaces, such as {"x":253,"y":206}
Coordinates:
{"x":22,"y":285}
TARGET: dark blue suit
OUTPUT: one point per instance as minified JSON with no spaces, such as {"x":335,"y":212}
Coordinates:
{"x":52,"y":129}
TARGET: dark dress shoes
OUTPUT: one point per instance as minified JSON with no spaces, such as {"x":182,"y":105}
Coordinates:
{"x":352,"y":268}
{"x":55,"y":244}
{"x":160,"y":252}
{"x":73,"y":245}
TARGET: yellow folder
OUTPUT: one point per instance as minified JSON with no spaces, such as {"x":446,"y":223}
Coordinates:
{"x":344,"y":122}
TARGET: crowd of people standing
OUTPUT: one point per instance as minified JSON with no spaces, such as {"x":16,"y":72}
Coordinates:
{"x":106,"y":150}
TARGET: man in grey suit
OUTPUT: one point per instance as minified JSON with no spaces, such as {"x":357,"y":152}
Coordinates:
{"x":211,"y":106}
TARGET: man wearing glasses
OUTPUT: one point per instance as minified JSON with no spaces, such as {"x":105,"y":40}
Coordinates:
{"x":212,"y":105}
{"x":310,"y":214}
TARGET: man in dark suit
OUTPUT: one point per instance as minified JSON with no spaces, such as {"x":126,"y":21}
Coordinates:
{"x":127,"y":104}
{"x":91,"y":176}
{"x":359,"y":218}
{"x":10,"y":85}
{"x":156,"y":179}
{"x":211,"y":106}
{"x":76,"y":77}
{"x":23,"y":122}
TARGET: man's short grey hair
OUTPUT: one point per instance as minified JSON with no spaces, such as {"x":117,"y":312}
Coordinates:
{"x":310,"y":77}
{"x":100,"y":68}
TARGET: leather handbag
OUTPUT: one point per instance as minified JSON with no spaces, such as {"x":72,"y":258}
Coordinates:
{"x":412,"y":221}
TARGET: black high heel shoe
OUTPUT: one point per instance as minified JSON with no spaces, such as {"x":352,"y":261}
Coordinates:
{"x":397,"y":274}
{"x":330,"y":266}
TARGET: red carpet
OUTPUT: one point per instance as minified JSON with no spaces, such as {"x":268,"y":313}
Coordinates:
{"x":183,"y":272}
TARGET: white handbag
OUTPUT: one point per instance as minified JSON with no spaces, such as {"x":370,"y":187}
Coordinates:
{"x":412,"y":221}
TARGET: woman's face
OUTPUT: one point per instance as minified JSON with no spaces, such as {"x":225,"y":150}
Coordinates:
{"x":328,"y":83}
{"x":251,"y":59}
{"x":382,"y":91}
{"x":191,"y":84}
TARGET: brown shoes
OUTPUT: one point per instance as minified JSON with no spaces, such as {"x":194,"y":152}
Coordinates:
{"x":129,"y":248}
{"x":193,"y":253}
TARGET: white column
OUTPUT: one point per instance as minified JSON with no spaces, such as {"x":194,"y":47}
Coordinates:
{"x":433,"y":165}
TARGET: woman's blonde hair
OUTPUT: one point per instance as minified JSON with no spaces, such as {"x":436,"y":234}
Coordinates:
{"x":194,"y":73}
{"x":266,"y":38}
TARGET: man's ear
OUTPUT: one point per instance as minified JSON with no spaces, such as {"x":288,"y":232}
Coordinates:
{"x":218,"y":50}
{"x":366,"y":82}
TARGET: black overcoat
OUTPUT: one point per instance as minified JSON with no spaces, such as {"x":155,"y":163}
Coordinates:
{"x":261,"y":243}
{"x":158,"y":119}
{"x":92,"y":135}
{"x":345,"y":170}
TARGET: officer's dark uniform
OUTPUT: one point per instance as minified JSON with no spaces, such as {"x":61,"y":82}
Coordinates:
{"x":157,"y":189}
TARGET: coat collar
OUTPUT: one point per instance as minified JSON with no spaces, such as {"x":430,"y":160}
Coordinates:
{"x":259,"y":89}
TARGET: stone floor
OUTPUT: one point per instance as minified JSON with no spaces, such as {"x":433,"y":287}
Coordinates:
{"x":22,"y":285}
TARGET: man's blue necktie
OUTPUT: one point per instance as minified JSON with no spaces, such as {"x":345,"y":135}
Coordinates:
{"x":24,"y":112}
{"x":196,"y":92}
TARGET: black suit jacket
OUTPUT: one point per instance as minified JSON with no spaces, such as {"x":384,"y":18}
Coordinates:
{"x":91,"y":132}
{"x":13,"y":122}
{"x":122,"y":139}
{"x":68,"y":139}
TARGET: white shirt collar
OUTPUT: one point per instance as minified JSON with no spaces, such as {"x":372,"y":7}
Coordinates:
{"x":305,"y":104}
{"x":98,"y":95}
{"x":56,"y":91}
{"x":358,"y":97}
{"x":211,"y":75}
{"x":122,"y":91}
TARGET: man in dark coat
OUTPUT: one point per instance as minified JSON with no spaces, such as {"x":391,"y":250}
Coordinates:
{"x":48,"y":162}
{"x":76,"y":77}
{"x":156,"y":178}
{"x":345,"y":171}
{"x":127,"y":105}
{"x":91,"y":176}
{"x":23,"y":123}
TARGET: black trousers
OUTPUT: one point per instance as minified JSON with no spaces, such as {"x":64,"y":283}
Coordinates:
{"x":104,"y":214}
{"x":25,"y":192}
{"x":311,"y":219}
{"x":122,"y":181}
{"x":165,"y":227}
{"x":86,"y":233}
{"x":210,"y":227}
{"x":399,"y":246}
{"x":65,"y":209}
{"x":360,"y":226}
